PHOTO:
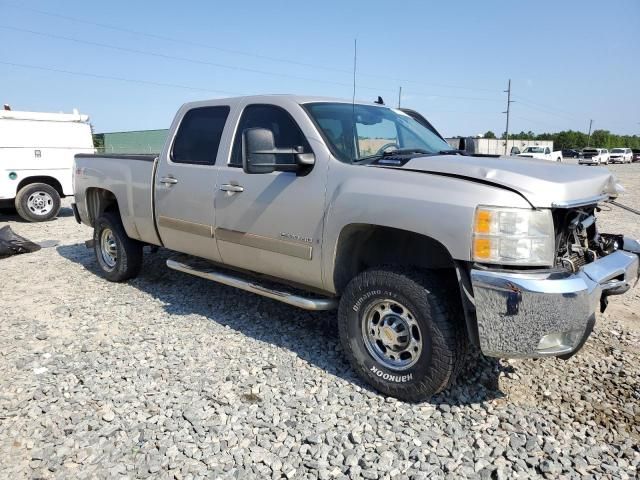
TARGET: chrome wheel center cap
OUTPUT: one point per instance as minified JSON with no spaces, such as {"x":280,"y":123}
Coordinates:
{"x":392,"y":334}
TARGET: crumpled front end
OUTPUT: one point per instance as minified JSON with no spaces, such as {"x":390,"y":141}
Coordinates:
{"x":552,"y":313}
{"x":534,"y":313}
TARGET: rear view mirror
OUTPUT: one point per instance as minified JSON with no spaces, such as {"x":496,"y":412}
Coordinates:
{"x":259,"y":154}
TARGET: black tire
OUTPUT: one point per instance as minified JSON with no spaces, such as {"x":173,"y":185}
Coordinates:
{"x":37,"y":202}
{"x":440,"y":327}
{"x":124,"y":259}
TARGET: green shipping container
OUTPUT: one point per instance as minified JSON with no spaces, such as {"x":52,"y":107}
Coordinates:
{"x":142,"y":141}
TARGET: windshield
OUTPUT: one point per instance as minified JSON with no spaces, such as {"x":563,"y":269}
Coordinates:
{"x":617,"y":150}
{"x":377,"y":130}
{"x":534,"y":150}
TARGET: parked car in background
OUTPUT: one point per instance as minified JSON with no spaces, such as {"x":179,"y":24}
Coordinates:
{"x":636,"y":154}
{"x":36,"y":159}
{"x":543,"y":153}
{"x":570,"y":153}
{"x":621,"y":155}
{"x":422,"y":248}
{"x":594,"y":156}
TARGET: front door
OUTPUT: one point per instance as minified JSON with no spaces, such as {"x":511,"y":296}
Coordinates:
{"x":185,"y":184}
{"x":271,"y":223}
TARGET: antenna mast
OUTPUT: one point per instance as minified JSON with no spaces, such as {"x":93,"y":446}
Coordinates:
{"x":355,"y":60}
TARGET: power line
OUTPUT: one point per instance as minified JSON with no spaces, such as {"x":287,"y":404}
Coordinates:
{"x":120,"y":79}
{"x":174,"y":57}
{"x":546,"y":107}
{"x":168,"y":85}
{"x":221,"y":65}
{"x":171,"y":39}
{"x":239,"y":52}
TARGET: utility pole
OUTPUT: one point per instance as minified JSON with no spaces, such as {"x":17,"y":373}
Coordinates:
{"x":589,"y":137}
{"x":509,"y":102}
{"x":399,"y":96}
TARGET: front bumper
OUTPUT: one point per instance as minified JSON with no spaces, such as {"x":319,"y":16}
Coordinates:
{"x":549,"y":313}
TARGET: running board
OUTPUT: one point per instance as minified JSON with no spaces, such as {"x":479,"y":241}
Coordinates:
{"x":235,"y":281}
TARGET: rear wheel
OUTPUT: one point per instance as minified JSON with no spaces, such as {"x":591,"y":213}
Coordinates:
{"x":402,"y":332}
{"x":119,"y":257}
{"x":37,"y":202}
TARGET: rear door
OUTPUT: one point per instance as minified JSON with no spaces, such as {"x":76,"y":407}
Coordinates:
{"x":185,"y":182}
{"x":272,"y":223}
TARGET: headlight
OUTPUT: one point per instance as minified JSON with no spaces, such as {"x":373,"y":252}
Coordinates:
{"x":513,"y":236}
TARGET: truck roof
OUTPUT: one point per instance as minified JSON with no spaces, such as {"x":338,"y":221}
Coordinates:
{"x":44,"y":116}
{"x":300,"y":99}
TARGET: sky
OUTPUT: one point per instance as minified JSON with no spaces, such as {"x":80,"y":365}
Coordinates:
{"x":131,"y":64}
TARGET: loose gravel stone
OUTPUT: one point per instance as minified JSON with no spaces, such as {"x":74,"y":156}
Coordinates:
{"x":170,"y":376}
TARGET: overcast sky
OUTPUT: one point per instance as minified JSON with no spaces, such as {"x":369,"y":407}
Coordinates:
{"x":569,"y":61}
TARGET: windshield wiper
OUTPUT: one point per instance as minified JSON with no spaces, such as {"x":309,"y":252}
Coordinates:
{"x":451,"y":152}
{"x":390,"y":153}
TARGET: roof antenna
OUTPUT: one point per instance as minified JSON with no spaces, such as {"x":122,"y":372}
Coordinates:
{"x":354,"y":138}
{"x":379,"y":101}
{"x":355,"y":59}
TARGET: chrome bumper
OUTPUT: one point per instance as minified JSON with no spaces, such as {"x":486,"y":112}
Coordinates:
{"x":547,"y":314}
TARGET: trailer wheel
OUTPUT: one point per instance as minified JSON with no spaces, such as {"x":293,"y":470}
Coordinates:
{"x":37,"y":202}
{"x":402,"y":332}
{"x":119,"y":257}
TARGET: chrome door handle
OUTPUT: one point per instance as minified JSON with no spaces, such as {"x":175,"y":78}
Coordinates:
{"x":169,"y":180}
{"x":227,"y":187}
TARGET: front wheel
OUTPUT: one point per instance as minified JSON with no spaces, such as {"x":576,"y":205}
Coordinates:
{"x":402,"y":332}
{"x":37,"y":202}
{"x":119,"y":257}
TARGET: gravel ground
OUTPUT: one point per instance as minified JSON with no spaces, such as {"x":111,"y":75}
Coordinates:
{"x":171,"y":376}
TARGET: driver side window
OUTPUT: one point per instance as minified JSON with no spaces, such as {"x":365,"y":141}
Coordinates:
{"x":371,"y":138}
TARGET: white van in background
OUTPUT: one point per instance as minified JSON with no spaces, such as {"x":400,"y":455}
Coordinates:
{"x":36,"y":159}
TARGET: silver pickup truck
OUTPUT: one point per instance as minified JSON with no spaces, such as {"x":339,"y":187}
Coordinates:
{"x":326,"y":204}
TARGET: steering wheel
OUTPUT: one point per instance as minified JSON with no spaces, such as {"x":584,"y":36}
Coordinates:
{"x":387,"y":145}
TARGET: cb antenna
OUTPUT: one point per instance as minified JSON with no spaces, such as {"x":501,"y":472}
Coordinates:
{"x":355,"y":63}
{"x":354,"y":139}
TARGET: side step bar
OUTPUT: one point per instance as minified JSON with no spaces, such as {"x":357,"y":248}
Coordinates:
{"x":238,"y":282}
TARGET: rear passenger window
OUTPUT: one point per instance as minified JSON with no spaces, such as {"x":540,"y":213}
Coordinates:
{"x":285,"y":130}
{"x":199,"y":135}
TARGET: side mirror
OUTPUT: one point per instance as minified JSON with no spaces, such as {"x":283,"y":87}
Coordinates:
{"x":259,"y":154}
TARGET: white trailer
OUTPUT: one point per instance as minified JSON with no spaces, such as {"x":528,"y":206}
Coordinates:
{"x":36,"y":159}
{"x":496,"y":146}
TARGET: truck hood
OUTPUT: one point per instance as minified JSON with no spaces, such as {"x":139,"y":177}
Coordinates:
{"x":544,"y":184}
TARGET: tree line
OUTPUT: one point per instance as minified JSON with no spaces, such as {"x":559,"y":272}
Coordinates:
{"x":576,"y":140}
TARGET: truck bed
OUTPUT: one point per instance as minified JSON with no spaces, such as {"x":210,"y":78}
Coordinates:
{"x":130,"y":178}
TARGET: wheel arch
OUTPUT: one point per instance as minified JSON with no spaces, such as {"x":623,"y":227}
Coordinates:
{"x":100,"y":200}
{"x":363,"y":246}
{"x":47,"y":180}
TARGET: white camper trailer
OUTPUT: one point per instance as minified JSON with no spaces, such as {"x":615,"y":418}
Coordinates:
{"x":36,"y":159}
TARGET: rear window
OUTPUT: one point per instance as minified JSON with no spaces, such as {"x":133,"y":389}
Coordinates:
{"x":617,"y":150}
{"x":199,"y":135}
{"x":590,"y":150}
